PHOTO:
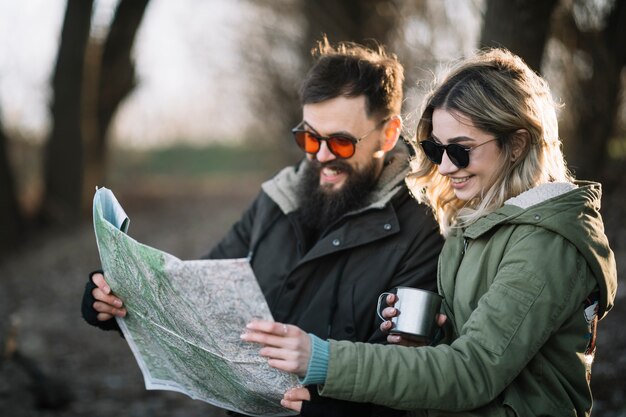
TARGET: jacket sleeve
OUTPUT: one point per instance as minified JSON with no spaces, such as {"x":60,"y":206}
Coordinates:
{"x":236,"y":243}
{"x":525,"y":304}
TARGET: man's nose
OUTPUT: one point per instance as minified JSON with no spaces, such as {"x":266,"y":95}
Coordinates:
{"x":324,"y":154}
{"x":446,"y":167}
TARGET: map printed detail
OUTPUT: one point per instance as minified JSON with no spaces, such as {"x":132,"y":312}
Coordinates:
{"x":185,"y":317}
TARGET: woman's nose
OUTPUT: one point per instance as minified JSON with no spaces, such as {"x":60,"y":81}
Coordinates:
{"x":446,"y":167}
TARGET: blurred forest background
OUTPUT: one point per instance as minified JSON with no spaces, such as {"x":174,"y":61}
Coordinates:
{"x":183,"y":108}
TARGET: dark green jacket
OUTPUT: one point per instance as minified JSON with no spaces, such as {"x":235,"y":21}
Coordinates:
{"x":516,"y":284}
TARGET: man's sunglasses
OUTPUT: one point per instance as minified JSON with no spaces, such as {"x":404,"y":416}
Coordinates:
{"x":458,"y":154}
{"x":341,"y":145}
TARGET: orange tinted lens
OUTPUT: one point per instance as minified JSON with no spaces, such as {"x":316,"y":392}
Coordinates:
{"x":341,"y":147}
{"x":311,"y":144}
{"x":307,"y":142}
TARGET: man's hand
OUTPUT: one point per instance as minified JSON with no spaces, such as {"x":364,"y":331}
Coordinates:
{"x":389,"y":313}
{"x":287,"y":347}
{"x":294,"y":397}
{"x":107,"y":305}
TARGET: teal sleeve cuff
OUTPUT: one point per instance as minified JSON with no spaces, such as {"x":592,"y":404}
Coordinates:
{"x":318,"y":362}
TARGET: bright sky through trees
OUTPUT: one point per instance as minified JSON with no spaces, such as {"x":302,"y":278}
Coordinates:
{"x":189,"y":84}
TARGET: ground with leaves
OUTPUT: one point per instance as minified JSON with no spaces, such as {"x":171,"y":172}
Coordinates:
{"x":87,"y":372}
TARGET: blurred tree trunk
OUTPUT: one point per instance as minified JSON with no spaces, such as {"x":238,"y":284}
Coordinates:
{"x":64,"y":151}
{"x":272,"y":55}
{"x":10,"y":215}
{"x":351,"y":20}
{"x":594,"y":99}
{"x":115,"y":80}
{"x":523,"y":27}
{"x":519,"y":25}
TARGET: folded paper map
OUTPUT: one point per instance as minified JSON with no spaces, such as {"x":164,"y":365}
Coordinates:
{"x":185,"y":317}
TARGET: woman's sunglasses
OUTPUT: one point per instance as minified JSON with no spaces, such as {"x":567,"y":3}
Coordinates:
{"x":458,"y":154}
{"x":340,"y":144}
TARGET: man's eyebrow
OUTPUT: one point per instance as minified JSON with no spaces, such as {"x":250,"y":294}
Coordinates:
{"x":341,"y":132}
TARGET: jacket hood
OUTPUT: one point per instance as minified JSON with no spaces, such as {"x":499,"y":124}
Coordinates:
{"x":572,"y":211}
{"x":283,"y":187}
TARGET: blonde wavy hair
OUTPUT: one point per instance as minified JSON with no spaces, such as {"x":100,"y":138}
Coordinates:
{"x":502,"y":96}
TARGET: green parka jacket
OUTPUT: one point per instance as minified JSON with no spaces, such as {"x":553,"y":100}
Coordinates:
{"x":523,"y":288}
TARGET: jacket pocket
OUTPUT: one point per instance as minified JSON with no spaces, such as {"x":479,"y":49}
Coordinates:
{"x":503,"y":308}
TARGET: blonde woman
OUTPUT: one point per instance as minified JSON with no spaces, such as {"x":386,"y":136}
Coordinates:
{"x":526,"y":271}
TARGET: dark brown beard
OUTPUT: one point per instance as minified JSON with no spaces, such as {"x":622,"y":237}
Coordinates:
{"x":321,"y":206}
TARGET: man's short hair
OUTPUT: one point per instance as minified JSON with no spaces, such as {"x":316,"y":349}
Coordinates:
{"x":351,"y":70}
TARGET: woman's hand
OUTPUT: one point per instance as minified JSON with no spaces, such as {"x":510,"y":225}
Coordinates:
{"x":391,"y":312}
{"x":287,"y":347}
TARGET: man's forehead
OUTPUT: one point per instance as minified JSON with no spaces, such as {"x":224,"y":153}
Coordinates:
{"x":336,"y":115}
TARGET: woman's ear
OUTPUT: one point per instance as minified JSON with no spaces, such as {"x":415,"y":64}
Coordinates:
{"x":392,"y":129}
{"x":520,"y":140}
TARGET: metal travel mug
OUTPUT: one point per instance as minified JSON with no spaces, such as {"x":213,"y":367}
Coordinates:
{"x":417,"y":312}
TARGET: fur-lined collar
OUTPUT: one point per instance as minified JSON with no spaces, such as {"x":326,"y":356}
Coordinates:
{"x":540,"y":194}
